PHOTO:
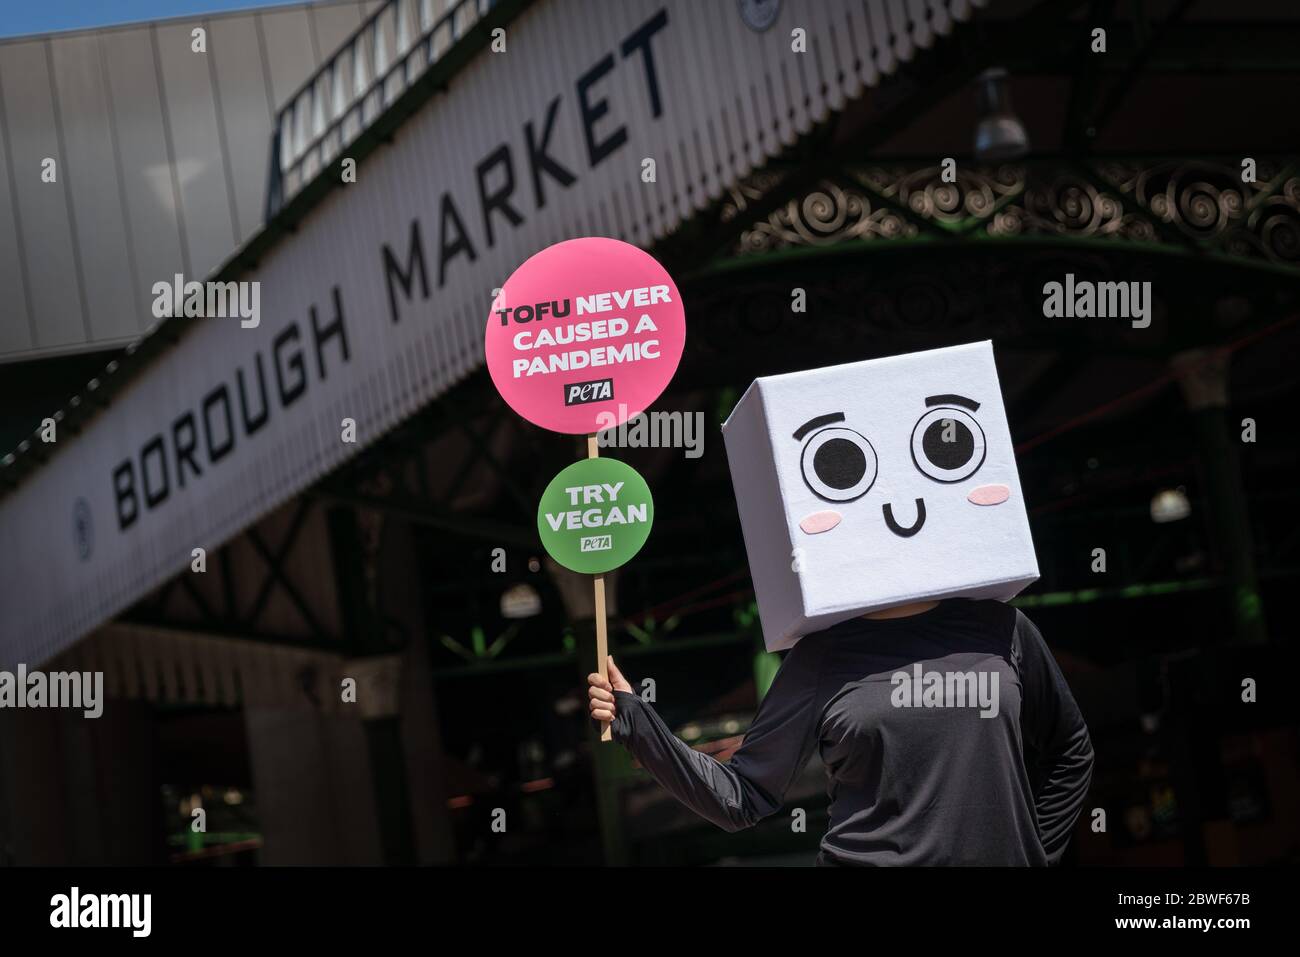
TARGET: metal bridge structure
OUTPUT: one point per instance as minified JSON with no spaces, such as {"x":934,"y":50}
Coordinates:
{"x":845,"y":173}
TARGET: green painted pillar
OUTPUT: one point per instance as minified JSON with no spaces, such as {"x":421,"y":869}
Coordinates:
{"x":766,"y":664}
{"x":1203,"y":377}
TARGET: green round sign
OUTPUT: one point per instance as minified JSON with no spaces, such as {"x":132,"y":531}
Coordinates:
{"x":595,"y":515}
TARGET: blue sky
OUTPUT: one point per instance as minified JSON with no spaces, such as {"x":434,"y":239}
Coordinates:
{"x":21,"y":17}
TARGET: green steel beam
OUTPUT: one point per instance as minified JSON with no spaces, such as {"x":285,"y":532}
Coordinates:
{"x":762,"y":262}
{"x":1084,"y":596}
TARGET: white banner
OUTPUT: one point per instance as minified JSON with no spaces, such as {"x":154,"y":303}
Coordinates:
{"x":377,"y":305}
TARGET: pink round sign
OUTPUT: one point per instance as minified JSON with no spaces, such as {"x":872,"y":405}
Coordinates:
{"x":585,"y":334}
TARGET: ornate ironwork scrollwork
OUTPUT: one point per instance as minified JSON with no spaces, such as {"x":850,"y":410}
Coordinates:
{"x":1206,"y":202}
{"x":825,"y":216}
{"x":1068,"y":204}
{"x":974,"y":193}
{"x":1210,"y":203}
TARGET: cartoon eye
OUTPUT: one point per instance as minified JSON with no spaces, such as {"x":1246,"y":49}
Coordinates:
{"x":839,"y":465}
{"x":947,"y":445}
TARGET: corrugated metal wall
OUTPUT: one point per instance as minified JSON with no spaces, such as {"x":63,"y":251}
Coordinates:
{"x":162,"y":157}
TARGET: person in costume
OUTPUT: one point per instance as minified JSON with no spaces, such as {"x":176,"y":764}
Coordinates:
{"x":908,"y":785}
{"x":885,"y":528}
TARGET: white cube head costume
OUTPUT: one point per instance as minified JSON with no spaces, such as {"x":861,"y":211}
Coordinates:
{"x":873,"y":484}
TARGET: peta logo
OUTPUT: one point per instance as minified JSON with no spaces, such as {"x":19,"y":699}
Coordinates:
{"x":596,"y":543}
{"x":580,"y":393}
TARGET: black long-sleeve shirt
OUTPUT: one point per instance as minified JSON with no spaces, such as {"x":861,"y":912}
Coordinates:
{"x":922,"y":767}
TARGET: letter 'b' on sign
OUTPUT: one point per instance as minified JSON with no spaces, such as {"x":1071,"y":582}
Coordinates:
{"x":584,"y":335}
{"x":595,"y":515}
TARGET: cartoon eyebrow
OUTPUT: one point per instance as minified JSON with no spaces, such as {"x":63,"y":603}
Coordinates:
{"x":949,"y":398}
{"x":813,"y":423}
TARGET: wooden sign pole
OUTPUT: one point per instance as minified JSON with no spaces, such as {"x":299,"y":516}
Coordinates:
{"x":602,"y":637}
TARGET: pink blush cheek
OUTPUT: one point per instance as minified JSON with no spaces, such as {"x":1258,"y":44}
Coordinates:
{"x":819,"y":522}
{"x":989,"y":495}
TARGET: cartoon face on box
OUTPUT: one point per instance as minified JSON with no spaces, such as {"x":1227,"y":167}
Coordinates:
{"x":873,"y":484}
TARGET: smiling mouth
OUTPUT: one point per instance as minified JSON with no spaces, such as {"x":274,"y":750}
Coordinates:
{"x":899,"y":530}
